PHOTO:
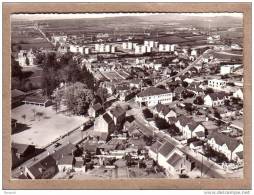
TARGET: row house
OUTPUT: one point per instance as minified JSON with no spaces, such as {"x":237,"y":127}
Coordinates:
{"x":226,"y":145}
{"x":163,"y":111}
{"x":190,"y":128}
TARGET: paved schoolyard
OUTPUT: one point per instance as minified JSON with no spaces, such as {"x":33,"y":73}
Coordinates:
{"x":45,"y":129}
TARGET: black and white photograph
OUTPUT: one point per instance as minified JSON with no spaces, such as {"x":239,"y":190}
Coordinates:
{"x":127,"y":96}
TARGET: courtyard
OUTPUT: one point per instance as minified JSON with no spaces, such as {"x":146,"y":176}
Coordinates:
{"x":42,"y":126}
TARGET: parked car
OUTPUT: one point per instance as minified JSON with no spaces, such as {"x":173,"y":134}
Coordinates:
{"x":57,"y":145}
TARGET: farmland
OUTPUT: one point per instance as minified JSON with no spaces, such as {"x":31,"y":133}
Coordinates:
{"x":26,"y":37}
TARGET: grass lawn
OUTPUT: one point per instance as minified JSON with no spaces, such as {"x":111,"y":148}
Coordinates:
{"x":45,"y":129}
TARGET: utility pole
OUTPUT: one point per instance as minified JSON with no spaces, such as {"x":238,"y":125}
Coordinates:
{"x":202,"y":166}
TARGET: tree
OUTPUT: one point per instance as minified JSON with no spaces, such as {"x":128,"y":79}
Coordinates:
{"x":209,"y":90}
{"x":34,"y":112}
{"x":199,"y":100}
{"x":24,"y":117}
{"x":57,"y":99}
{"x":161,"y":87}
{"x":174,"y":130}
{"x":185,"y":84}
{"x":39,"y":57}
{"x":102,"y":94}
{"x":78,"y":98}
{"x":27,"y":61}
{"x":161,"y":123}
{"x":147,"y":113}
{"x":49,"y":74}
{"x":189,"y":107}
{"x":227,"y":102}
{"x":39,"y":114}
{"x":187,"y":94}
{"x":16,"y":69}
{"x":217,"y":114}
{"x":148,"y":140}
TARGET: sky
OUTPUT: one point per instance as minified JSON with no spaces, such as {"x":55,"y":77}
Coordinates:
{"x":89,"y":15}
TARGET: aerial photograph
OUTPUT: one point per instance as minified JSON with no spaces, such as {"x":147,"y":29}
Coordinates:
{"x":127,"y":96}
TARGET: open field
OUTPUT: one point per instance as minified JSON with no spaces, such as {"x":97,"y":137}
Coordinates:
{"x":227,"y":55}
{"x":32,"y":79}
{"x":43,"y":130}
{"x":172,"y":39}
{"x":111,"y":75}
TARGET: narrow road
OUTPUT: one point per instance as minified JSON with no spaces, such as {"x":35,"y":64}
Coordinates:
{"x":74,"y":137}
{"x":43,"y":34}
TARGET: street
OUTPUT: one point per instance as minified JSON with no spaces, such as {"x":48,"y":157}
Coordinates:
{"x":208,"y":167}
{"x":74,"y":137}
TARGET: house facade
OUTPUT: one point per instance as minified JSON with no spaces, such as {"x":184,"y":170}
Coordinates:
{"x":226,"y":145}
{"x":152,"y":96}
{"x":26,"y":58}
{"x":215,"y":99}
{"x":217,"y":84}
{"x":170,"y":158}
{"x":163,"y":111}
{"x":190,"y":128}
{"x":95,"y":110}
{"x":238,"y":94}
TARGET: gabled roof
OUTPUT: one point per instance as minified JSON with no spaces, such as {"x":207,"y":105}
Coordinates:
{"x":79,"y":162}
{"x":166,"y":149}
{"x":38,"y":170}
{"x":179,"y":89}
{"x":107,"y":118}
{"x":36,"y":99}
{"x":172,"y":119}
{"x":221,"y":139}
{"x":17,"y":93}
{"x":135,"y":81}
{"x":151,"y":91}
{"x":163,"y":109}
{"x":66,"y":150}
{"x":155,"y":147}
{"x":217,"y":95}
{"x":20,"y":148}
{"x":174,"y":159}
{"x":66,"y":160}
{"x":240,"y":154}
{"x":197,"y":143}
{"x":200,"y":134}
{"x":22,"y":176}
{"x":90,"y":147}
{"x":187,"y":121}
{"x":195,"y":86}
{"x":122,"y":88}
{"x":97,"y":107}
{"x":117,"y":111}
